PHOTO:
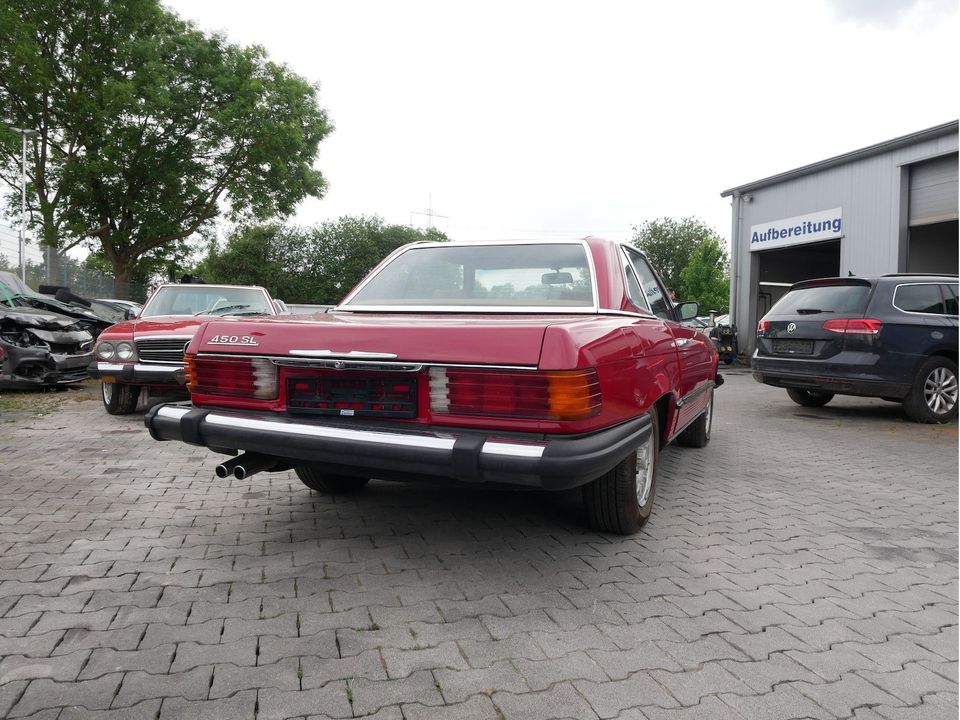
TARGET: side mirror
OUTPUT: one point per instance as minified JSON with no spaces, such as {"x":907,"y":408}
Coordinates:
{"x":129,"y":314}
{"x":687,"y":310}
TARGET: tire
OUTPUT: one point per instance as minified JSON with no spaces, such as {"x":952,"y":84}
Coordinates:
{"x":697,"y":433}
{"x":614,"y":503}
{"x":933,"y":396}
{"x":809,"y":398}
{"x":329,"y":484}
{"x":119,"y":399}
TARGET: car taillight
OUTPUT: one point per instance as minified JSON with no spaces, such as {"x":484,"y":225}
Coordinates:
{"x":551,"y":395}
{"x":853,"y":326}
{"x":762,"y":327}
{"x":231,"y":377}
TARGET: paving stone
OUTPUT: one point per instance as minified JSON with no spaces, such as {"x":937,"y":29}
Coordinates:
{"x":239,"y":707}
{"x":910,"y":684}
{"x":784,"y":703}
{"x":690,"y":687}
{"x":619,"y":664}
{"x":401,"y":663}
{"x":318,"y":671}
{"x":558,"y":703}
{"x":205,"y":633}
{"x":371,"y":695}
{"x":709,"y":708}
{"x":331,"y":699}
{"x":847,"y":693}
{"x":271,"y":648}
{"x":103,"y":661}
{"x":61,"y":668}
{"x":476,"y":708}
{"x":137,"y":685}
{"x":91,"y":694}
{"x":458,"y":685}
{"x":229,"y":679}
{"x":146,"y":710}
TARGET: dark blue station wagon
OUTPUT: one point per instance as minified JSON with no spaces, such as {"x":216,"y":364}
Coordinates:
{"x":893,"y":337}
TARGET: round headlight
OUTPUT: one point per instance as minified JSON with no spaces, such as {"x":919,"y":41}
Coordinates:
{"x":105,"y":350}
{"x":125,"y":351}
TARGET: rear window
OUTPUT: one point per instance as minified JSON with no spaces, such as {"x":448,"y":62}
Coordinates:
{"x":919,"y":299}
{"x":540,"y":275}
{"x":840,"y":299}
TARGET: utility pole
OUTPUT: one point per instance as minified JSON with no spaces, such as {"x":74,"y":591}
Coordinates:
{"x":429,"y":212}
{"x":24,"y":133}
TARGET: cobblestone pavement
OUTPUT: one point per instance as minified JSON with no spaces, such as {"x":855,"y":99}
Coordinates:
{"x":804,"y":564}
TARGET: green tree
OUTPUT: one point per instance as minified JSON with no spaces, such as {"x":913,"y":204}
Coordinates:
{"x":705,"y":279}
{"x":148,"y":129}
{"x":308,"y":265}
{"x":669,"y":244}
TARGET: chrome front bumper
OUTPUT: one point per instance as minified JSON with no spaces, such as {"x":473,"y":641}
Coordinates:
{"x":135,"y":373}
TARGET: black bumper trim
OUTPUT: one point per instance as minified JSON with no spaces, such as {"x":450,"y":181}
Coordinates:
{"x":383,"y":451}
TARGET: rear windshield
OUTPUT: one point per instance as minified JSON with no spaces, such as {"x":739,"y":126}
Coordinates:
{"x":541,"y":275}
{"x":839,"y":299}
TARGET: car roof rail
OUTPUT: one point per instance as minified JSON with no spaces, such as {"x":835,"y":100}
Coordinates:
{"x":921,"y":274}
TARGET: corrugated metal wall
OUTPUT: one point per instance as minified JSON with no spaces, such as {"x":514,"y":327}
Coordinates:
{"x":872,"y":193}
{"x":933,"y":191}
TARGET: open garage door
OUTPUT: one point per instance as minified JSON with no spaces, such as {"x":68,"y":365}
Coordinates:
{"x":778,"y":269}
{"x":933,"y":216}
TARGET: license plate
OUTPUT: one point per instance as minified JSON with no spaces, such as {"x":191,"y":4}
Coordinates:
{"x":793,"y":347}
{"x":381,"y":396}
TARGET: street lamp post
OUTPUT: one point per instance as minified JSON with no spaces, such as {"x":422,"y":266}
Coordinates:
{"x":24,"y":133}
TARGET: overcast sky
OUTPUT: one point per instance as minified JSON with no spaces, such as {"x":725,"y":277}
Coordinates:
{"x":570,"y":118}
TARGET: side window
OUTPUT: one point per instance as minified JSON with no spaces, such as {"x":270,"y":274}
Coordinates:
{"x":633,"y":285}
{"x":652,"y":290}
{"x":919,"y":299}
{"x":950,"y":295}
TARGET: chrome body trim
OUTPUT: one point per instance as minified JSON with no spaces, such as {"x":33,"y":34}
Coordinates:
{"x":351,"y":354}
{"x":106,"y":368}
{"x":348,"y":365}
{"x":491,"y":447}
{"x":174,"y":413}
{"x":372,"y":437}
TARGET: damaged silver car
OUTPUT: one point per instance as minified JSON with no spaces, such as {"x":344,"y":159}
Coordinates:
{"x":41,"y":349}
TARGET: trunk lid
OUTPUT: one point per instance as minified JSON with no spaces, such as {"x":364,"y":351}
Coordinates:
{"x":412,"y":337}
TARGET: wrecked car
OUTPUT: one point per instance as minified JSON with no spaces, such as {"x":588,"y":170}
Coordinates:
{"x":15,"y":293}
{"x":41,"y":349}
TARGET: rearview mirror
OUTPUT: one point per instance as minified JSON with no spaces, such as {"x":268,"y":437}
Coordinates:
{"x":556,"y":278}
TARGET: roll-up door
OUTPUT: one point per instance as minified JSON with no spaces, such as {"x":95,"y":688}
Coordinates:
{"x":933,"y":191}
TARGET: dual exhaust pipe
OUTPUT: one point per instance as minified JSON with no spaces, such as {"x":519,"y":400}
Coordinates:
{"x":245,"y":465}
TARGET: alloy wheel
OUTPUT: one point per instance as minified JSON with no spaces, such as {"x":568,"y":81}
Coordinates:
{"x":940,"y":390}
{"x":645,"y":468}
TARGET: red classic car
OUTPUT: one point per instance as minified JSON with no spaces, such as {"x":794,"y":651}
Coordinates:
{"x":147,"y":352}
{"x":535,"y":364}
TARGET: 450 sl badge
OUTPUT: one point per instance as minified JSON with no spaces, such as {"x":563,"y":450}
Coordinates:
{"x":232,"y":340}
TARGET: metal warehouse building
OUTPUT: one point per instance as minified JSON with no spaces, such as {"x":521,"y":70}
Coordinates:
{"x":886,"y":208}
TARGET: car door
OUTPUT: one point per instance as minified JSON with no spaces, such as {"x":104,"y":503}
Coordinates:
{"x":695,"y":350}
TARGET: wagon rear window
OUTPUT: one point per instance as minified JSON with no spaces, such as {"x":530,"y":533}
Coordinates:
{"x":541,"y":275}
{"x":845,"y":299}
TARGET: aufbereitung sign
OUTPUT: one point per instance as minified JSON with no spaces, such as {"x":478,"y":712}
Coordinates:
{"x":812,"y":227}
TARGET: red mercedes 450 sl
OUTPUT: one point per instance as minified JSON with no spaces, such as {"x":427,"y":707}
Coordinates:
{"x":545,"y":365}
